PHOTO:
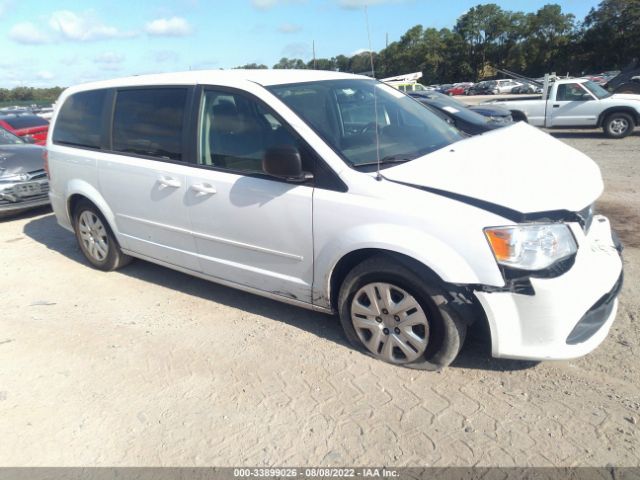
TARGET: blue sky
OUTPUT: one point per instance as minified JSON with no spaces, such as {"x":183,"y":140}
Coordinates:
{"x":63,"y":42}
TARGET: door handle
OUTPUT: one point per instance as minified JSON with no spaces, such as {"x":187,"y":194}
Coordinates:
{"x":203,"y":189}
{"x":168,"y":182}
{"x":556,"y":105}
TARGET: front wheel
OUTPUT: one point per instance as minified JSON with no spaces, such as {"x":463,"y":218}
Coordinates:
{"x":390,"y":313}
{"x":95,"y":238}
{"x":618,"y":125}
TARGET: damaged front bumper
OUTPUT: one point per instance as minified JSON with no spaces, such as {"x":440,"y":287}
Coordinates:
{"x":16,"y":196}
{"x":563,"y":317}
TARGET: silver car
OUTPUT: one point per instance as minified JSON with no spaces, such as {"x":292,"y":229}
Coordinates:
{"x":23,"y":180}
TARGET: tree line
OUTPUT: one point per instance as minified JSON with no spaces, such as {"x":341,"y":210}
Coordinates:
{"x":488,"y":36}
{"x":23,"y":95}
{"x":484,"y":37}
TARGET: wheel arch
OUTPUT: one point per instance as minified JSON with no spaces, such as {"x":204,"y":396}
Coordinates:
{"x":345,"y":264}
{"x":80,"y":190}
{"x":619,"y":109}
{"x":519,"y":115}
{"x":460,"y":298}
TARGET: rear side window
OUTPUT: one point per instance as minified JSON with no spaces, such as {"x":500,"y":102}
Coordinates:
{"x":79,"y":122}
{"x":150,"y":122}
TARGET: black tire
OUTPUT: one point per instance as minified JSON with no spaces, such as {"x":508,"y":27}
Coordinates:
{"x":618,"y":125}
{"x":519,"y":116}
{"x":96,"y":241}
{"x":445,"y":331}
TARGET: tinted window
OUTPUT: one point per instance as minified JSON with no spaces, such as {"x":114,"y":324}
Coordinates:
{"x":80,"y":120}
{"x":26,"y":121}
{"x":150,"y":122}
{"x":236,"y":131}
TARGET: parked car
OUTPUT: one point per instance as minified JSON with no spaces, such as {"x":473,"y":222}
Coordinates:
{"x":579,"y":103}
{"x":340,"y":194}
{"x":485,"y":87}
{"x":626,"y":81}
{"x":444,"y":88}
{"x":463,"y":117}
{"x":505,"y":86}
{"x":526,"y":88}
{"x":459,"y":89}
{"x":23,"y":181}
{"x":494,"y":112}
{"x":30,"y":127}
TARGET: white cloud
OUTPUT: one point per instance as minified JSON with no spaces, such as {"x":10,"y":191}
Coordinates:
{"x":268,"y":4}
{"x":27,"y":33}
{"x":169,"y":27}
{"x":289,"y":28}
{"x":44,"y":75}
{"x":109,"y":58}
{"x":82,"y":27}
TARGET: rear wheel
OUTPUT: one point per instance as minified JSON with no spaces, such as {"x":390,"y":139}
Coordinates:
{"x":95,"y":238}
{"x":390,"y":313}
{"x":618,"y":125}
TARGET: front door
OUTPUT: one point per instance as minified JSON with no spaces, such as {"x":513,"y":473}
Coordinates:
{"x":574,"y":107}
{"x":249,"y":228}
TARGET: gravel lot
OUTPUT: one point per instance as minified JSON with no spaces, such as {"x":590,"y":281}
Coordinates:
{"x":151,"y":367}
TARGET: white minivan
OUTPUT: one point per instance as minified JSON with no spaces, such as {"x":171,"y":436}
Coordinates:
{"x":341,"y":194}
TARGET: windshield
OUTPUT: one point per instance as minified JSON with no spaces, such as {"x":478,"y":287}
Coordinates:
{"x":8,"y":138}
{"x":346,"y":114}
{"x":596,"y":89}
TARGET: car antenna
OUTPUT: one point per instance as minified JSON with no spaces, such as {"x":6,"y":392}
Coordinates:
{"x":375,"y":99}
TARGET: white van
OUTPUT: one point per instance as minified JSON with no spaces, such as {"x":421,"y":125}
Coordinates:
{"x":339,"y":193}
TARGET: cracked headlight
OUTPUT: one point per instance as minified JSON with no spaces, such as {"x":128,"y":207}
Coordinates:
{"x":531,"y":247}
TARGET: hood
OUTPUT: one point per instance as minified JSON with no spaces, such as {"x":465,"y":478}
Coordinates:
{"x":20,"y":159}
{"x":518,"y":168}
{"x":490,"y":110}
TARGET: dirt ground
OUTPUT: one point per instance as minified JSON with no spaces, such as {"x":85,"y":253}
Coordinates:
{"x":147,"y":366}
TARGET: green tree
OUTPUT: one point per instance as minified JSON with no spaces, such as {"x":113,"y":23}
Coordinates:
{"x":611,"y":35}
{"x":286,"y":63}
{"x":251,"y":66}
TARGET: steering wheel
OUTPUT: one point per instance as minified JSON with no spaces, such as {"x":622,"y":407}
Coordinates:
{"x":369,"y":127}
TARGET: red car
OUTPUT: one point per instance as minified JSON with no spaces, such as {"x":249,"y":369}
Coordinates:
{"x":456,"y":91}
{"x":28,"y":126}
{"x":459,"y":89}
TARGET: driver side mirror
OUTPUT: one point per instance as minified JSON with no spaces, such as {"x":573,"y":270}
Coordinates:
{"x":284,"y":162}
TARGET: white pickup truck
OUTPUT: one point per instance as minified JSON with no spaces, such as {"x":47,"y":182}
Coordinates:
{"x":578,"y":103}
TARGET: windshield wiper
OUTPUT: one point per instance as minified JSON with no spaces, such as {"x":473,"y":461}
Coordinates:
{"x":390,"y":159}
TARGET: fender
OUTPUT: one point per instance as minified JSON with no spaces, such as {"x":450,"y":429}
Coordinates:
{"x":622,"y":109}
{"x":444,"y":261}
{"x":85,"y":189}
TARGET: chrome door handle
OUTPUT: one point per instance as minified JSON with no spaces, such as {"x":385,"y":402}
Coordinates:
{"x":168,"y":182}
{"x":203,"y":189}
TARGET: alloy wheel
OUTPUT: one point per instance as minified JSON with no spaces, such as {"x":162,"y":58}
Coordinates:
{"x":93,"y":235}
{"x":619,"y":126}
